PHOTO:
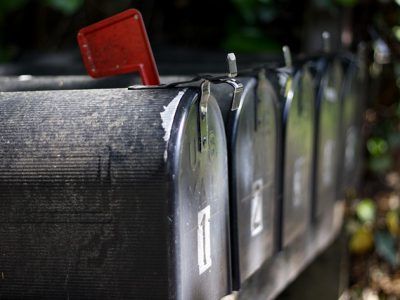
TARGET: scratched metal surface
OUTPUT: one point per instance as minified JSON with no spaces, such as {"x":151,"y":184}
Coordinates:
{"x":43,"y":83}
{"x":73,"y":82}
{"x":87,"y":209}
{"x":80,"y":172}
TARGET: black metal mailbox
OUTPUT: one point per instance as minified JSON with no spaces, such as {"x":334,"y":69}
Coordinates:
{"x":113,"y":194}
{"x":329,"y":76}
{"x":352,"y":111}
{"x":297,"y":87}
{"x":252,"y":150}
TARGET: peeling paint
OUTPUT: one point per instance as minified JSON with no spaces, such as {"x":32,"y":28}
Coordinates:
{"x":167,"y":117}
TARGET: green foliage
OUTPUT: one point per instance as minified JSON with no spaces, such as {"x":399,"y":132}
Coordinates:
{"x":392,"y":222}
{"x":246,"y":31}
{"x":380,"y":164}
{"x":361,"y":241}
{"x":366,"y":210}
{"x":7,"y":6}
{"x":377,"y":146}
{"x":331,"y":3}
{"x":253,"y":10}
{"x":380,"y":159}
{"x":347,"y":3}
{"x":385,"y":245}
{"x":67,"y":7}
{"x":250,"y":39}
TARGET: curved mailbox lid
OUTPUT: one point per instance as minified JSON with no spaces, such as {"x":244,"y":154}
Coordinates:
{"x":251,"y":131}
{"x":108,"y":198}
{"x":328,"y":116}
{"x":202,"y":205}
{"x":298,"y":127}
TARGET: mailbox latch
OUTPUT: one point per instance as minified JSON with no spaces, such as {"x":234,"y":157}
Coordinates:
{"x":203,"y":119}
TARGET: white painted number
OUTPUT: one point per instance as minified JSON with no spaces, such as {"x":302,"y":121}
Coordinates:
{"x":256,"y":219}
{"x":329,"y":149}
{"x":298,"y":181}
{"x":350,"y":151}
{"x":204,"y":239}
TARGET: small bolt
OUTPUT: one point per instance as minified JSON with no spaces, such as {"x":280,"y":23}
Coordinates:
{"x":287,"y":56}
{"x":326,"y":41}
{"x":232,"y":67}
{"x":136,"y":17}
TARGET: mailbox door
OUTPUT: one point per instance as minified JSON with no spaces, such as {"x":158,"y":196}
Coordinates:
{"x":202,"y":209}
{"x":298,"y":149}
{"x":254,"y":175}
{"x":328,"y":139}
{"x":351,"y":130}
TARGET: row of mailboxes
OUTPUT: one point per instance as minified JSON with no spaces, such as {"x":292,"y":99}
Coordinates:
{"x":179,"y":192}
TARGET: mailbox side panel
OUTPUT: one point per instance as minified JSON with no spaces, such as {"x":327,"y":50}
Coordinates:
{"x":84,"y":194}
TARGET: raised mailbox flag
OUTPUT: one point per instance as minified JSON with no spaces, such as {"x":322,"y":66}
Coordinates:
{"x":118,"y":45}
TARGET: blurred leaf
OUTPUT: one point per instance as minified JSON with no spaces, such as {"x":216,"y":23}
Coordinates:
{"x":347,"y":3}
{"x":394,"y":139}
{"x":396,"y":32}
{"x":386,"y":247}
{"x":392,"y":222}
{"x":366,"y":210}
{"x":10,"y":5}
{"x":377,"y":146}
{"x":352,"y":226}
{"x":247,"y":9}
{"x":361,"y":241}
{"x":380,"y":164}
{"x":250,"y":39}
{"x":67,"y":7}
{"x":267,"y":14}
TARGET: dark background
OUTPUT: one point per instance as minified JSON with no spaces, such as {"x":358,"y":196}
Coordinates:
{"x":244,"y":26}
